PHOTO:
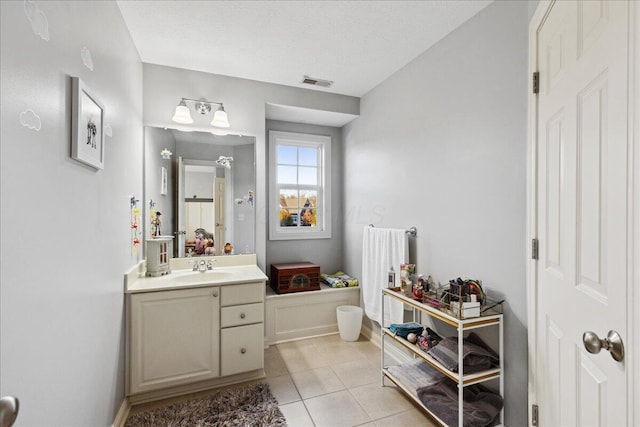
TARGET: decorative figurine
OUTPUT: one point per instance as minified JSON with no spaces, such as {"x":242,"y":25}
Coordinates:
{"x":228,"y":249}
{"x":155,"y":222}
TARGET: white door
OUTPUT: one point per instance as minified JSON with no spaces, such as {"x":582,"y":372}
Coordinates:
{"x":192,"y":219}
{"x":583,"y":222}
{"x":219,"y":209}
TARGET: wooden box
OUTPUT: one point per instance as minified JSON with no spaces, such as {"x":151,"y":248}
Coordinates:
{"x":295,"y":277}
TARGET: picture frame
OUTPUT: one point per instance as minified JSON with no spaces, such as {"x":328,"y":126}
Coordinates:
{"x":87,"y":129}
{"x":163,"y":181}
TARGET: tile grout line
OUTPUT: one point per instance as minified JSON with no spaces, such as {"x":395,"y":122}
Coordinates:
{"x":364,"y":355}
{"x":297,"y":390}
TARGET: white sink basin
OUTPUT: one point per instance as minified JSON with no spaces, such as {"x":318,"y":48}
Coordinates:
{"x":207,"y":276}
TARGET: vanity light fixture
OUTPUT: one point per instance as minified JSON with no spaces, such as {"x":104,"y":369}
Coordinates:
{"x":183,"y":114}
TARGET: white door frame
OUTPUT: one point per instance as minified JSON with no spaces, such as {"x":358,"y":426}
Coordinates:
{"x":632,"y":341}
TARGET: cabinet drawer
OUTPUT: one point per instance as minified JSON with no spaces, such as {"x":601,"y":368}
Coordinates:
{"x":242,"y":349}
{"x":242,"y":294}
{"x":238,"y":315}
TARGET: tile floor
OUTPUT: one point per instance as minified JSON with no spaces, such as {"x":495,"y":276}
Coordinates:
{"x":328,"y":382}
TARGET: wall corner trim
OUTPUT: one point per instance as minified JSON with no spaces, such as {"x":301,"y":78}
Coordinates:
{"x":122,"y":414}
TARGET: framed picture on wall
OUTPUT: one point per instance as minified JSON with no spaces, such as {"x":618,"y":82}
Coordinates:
{"x":87,"y":129}
{"x":163,"y":181}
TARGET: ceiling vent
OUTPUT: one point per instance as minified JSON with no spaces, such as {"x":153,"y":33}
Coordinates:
{"x":316,"y":82}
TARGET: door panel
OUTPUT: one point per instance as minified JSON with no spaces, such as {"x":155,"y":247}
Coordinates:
{"x":554,"y":194}
{"x":593,"y":388}
{"x":582,"y":211}
{"x":593,"y":17}
{"x":592,"y":185}
{"x":554,"y":340}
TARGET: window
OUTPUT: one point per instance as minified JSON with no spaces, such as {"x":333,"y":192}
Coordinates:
{"x":300,"y":186}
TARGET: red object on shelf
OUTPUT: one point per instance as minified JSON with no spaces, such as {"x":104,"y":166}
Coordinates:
{"x":295,"y":277}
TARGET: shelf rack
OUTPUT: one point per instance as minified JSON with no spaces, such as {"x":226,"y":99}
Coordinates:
{"x":461,"y":325}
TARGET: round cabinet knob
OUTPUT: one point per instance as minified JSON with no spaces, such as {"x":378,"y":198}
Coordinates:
{"x":215,"y":294}
{"x":242,"y":315}
{"x":243,"y":350}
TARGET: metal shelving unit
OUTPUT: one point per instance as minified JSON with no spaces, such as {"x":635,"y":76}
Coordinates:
{"x":462,"y":326}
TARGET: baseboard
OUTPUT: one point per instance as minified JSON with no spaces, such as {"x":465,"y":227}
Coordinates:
{"x":122,"y":414}
{"x":399,"y":354}
{"x":180,"y":390}
{"x":369,"y":334}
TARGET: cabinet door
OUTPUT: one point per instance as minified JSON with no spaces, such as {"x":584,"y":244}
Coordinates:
{"x":242,"y":349}
{"x":174,"y":338}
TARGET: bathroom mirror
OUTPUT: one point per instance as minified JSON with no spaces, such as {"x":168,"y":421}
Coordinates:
{"x":202,"y":193}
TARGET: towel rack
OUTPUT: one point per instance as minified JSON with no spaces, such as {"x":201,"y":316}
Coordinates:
{"x":412,"y":230}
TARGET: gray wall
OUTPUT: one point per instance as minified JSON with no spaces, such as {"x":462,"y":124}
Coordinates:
{"x":532,"y":6}
{"x":441,"y":145}
{"x":327,"y":253}
{"x":155,"y":140}
{"x":65,"y":227}
{"x":199,"y":184}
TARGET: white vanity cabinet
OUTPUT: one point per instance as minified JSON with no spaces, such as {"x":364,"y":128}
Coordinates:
{"x":174,"y":338}
{"x":183,"y":339}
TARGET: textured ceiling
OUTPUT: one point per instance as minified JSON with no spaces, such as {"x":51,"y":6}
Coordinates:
{"x":356,"y":44}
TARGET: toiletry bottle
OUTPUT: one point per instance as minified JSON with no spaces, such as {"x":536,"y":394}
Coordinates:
{"x":422,"y":283}
{"x":392,"y":278}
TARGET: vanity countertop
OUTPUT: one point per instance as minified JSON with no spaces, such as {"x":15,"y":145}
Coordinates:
{"x":226,"y":271}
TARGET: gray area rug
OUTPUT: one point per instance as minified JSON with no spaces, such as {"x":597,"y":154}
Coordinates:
{"x":253,"y":405}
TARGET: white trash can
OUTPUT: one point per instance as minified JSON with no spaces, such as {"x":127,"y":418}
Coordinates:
{"x":349,"y":322}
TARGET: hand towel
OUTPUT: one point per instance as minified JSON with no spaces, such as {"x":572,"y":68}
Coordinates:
{"x":382,"y":248}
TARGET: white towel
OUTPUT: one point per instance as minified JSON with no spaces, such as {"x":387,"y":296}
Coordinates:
{"x":382,"y":248}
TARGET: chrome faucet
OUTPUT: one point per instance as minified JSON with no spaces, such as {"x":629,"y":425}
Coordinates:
{"x":202,"y":265}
